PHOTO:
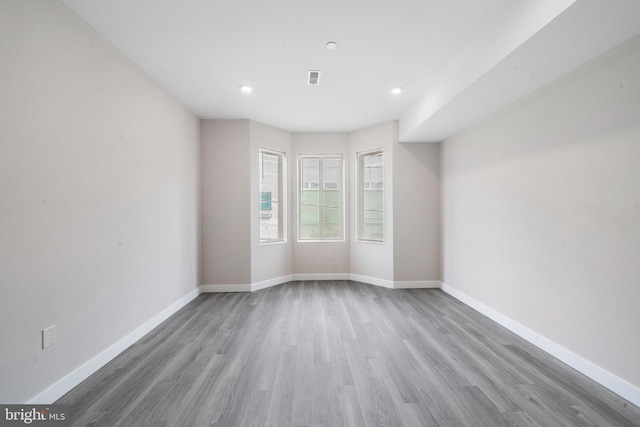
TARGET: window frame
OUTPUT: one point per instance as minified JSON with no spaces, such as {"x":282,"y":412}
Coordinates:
{"x":360,"y":196}
{"x":341,"y":187}
{"x":281,"y":201}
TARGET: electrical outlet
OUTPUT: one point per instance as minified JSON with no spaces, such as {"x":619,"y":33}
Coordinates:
{"x":48,"y":336}
{"x":329,"y":255}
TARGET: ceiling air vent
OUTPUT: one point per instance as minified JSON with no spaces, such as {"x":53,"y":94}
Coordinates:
{"x":314,"y":78}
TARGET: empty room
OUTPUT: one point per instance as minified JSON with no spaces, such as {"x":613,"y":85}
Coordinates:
{"x":338,"y":213}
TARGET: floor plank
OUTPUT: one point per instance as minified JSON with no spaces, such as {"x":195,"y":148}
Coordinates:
{"x":339,"y":353}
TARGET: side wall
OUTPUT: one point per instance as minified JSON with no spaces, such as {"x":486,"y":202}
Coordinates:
{"x":374,"y":260}
{"x":541,"y":212}
{"x":271,"y":261}
{"x":99,"y":176}
{"x":416,"y":212}
{"x":226,"y":202}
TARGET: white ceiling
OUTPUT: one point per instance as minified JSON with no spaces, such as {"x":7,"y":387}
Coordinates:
{"x":457,"y":60}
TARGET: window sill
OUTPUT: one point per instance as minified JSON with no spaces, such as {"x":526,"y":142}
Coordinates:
{"x":375,"y":242}
{"x":273,"y":242}
{"x":321,"y":241}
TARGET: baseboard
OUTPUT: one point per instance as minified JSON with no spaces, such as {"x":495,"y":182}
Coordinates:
{"x":69,"y":381}
{"x":206,"y":289}
{"x":246,"y":288}
{"x":322,"y":276}
{"x":372,"y":281}
{"x":417,"y":284}
{"x":271,"y":282}
{"x":595,"y":372}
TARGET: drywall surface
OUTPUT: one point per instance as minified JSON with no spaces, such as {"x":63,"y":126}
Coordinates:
{"x":311,"y":257}
{"x":273,"y":260}
{"x":416,"y":211}
{"x":541,"y":211}
{"x":374,"y":259}
{"x":99,"y":176}
{"x":226,"y":204}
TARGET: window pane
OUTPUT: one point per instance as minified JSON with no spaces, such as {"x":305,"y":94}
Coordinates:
{"x":331,"y":223}
{"x":373,"y":171}
{"x":332,"y":199}
{"x":271,"y":227}
{"x":332,"y":173}
{"x":371,"y":197}
{"x":320,"y":198}
{"x":372,"y":220}
{"x":309,"y":222}
{"x":265,"y":200}
{"x":310,"y":171}
{"x":309,"y":199}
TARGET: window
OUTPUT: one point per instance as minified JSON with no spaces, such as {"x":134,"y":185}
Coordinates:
{"x":320,"y":198}
{"x":271,"y":196}
{"x":371,"y":196}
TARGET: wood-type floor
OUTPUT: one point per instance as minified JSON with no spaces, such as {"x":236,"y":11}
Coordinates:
{"x":339,"y":353}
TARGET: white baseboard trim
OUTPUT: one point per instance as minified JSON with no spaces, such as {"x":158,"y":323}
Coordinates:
{"x":246,"y":288}
{"x":207,"y":289}
{"x":414,"y":284}
{"x":591,"y":370}
{"x":271,"y":282}
{"x":322,"y":276}
{"x":372,"y":281}
{"x":417,"y":284}
{"x":69,"y":381}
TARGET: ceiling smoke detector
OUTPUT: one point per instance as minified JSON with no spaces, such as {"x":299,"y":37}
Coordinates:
{"x":332,"y":45}
{"x":313,"y":79}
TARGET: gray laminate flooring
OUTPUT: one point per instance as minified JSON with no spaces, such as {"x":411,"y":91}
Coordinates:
{"x":339,"y":353}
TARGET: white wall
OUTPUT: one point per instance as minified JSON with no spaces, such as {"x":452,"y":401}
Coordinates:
{"x":232,"y":254}
{"x":311,"y":257}
{"x":99,"y":175}
{"x":226,"y":202}
{"x":416,"y":212}
{"x":541,"y":212}
{"x":231,"y":250}
{"x":273,"y":260}
{"x":374,"y":259}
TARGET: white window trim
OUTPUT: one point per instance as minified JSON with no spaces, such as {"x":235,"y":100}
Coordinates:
{"x":359,"y":197}
{"x":299,"y":195}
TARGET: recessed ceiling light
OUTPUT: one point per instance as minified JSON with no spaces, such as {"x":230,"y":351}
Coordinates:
{"x":246,"y":89}
{"x":332,"y":45}
{"x":396,"y":90}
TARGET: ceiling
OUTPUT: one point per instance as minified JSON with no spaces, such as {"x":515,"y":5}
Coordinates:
{"x":456,"y":60}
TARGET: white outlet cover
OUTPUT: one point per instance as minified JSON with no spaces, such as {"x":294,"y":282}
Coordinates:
{"x":48,"y":336}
